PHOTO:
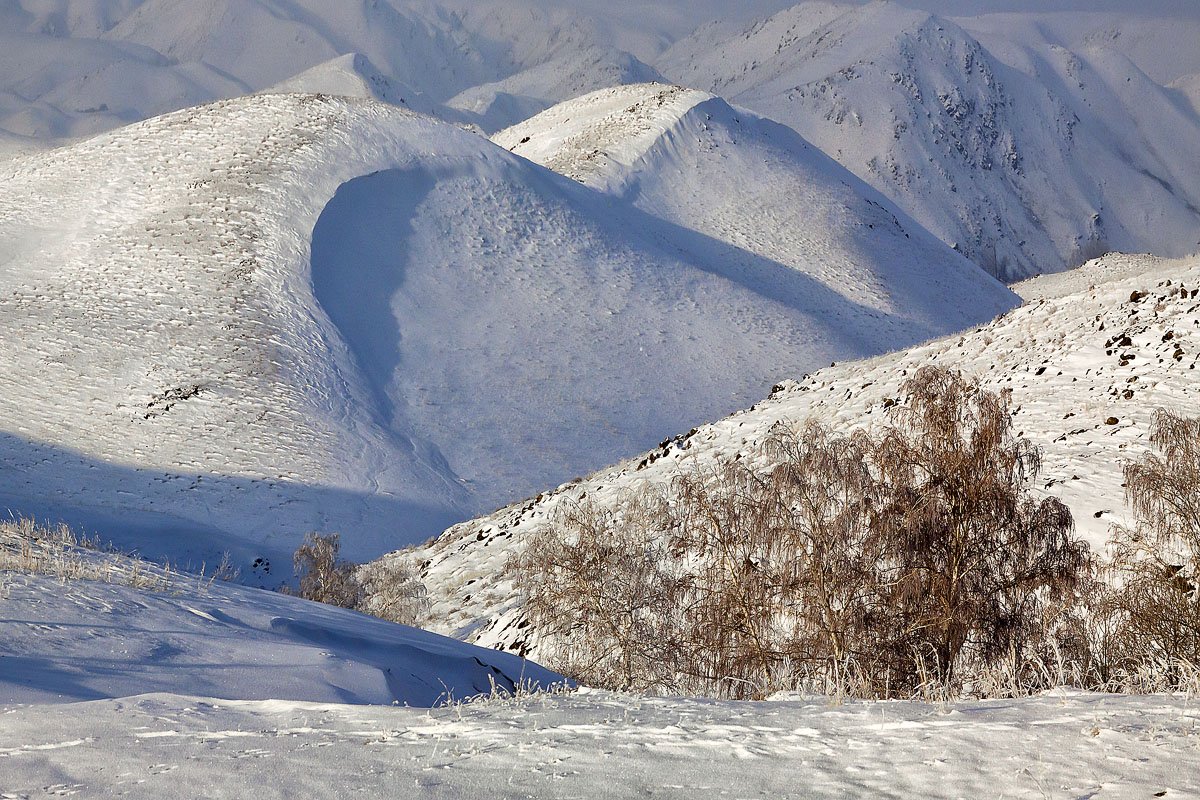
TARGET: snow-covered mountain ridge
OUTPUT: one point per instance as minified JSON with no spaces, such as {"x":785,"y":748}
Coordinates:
{"x":231,"y":325}
{"x":690,"y":158}
{"x":1027,"y":161}
{"x":1088,"y":358}
{"x":1030,"y":142}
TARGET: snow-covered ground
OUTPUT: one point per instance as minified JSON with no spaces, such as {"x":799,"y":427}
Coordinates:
{"x":67,"y":641}
{"x":1088,"y":358}
{"x":602,"y":745}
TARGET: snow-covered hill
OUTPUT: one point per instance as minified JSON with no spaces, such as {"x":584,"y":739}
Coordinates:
{"x":77,"y":67}
{"x":1029,"y":141}
{"x":1088,"y":358}
{"x":1028,"y":159}
{"x":574,"y":72}
{"x":1159,"y":41}
{"x":689,"y":158}
{"x":231,"y":325}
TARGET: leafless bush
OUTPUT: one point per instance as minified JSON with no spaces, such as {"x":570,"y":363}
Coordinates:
{"x":600,"y":587}
{"x":780,"y":576}
{"x":898,"y":564}
{"x":976,"y":570}
{"x":1152,"y":613}
{"x":323,"y":576}
{"x":393,"y":590}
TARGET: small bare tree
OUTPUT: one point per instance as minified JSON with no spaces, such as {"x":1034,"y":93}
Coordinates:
{"x":973,"y":562}
{"x":323,"y":576}
{"x":599,"y":592}
{"x":780,"y":561}
{"x":1157,"y":560}
{"x":392,"y":589}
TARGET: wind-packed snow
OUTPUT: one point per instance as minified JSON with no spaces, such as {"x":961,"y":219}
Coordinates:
{"x":1027,"y":158}
{"x":67,"y":641}
{"x":602,"y":745}
{"x":1081,"y":391}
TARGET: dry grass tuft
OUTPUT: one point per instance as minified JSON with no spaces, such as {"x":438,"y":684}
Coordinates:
{"x":32,"y":549}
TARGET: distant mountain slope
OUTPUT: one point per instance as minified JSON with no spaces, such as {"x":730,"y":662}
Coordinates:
{"x":570,"y":74}
{"x":1161,"y":44}
{"x":1025,"y":167}
{"x":689,"y":158}
{"x":78,"y":67}
{"x":1088,"y":358}
{"x":231,"y":325}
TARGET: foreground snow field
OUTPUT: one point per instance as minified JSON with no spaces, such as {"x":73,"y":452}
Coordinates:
{"x":602,"y":745}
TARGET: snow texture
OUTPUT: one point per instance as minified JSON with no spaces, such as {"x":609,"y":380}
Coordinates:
{"x":65,"y":642}
{"x":601,"y":745}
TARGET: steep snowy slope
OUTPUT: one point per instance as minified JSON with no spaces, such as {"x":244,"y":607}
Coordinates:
{"x":1088,"y":358}
{"x":78,"y":67}
{"x":54,"y":87}
{"x":261,"y":42}
{"x":1189,"y":87}
{"x":89,"y":67}
{"x":231,"y":325}
{"x":689,"y":158}
{"x":1161,"y":44}
{"x":1025,"y":167}
{"x":353,"y":75}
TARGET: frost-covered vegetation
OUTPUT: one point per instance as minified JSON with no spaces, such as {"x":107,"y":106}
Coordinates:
{"x":395,"y":594}
{"x":912,"y":561}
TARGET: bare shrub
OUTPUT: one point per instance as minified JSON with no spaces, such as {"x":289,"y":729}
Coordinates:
{"x":780,"y":562}
{"x":898,"y":564}
{"x":600,"y":590}
{"x":1153,"y":611}
{"x":393,"y":590}
{"x":323,"y":576}
{"x":975,"y":568}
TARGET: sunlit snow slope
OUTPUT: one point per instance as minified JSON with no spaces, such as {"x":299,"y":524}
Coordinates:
{"x":1088,"y":358}
{"x":1028,"y":157}
{"x":689,"y":158}
{"x":234,"y":324}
